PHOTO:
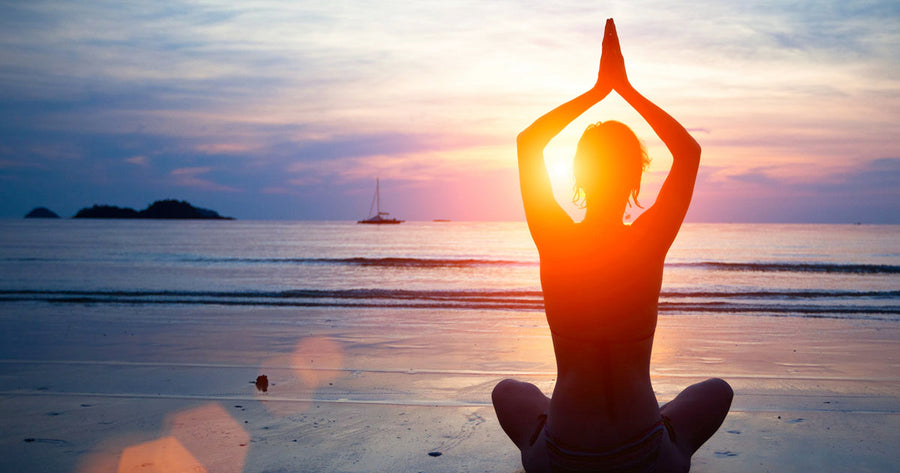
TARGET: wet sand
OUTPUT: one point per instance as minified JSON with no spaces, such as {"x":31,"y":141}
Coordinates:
{"x":161,"y":387}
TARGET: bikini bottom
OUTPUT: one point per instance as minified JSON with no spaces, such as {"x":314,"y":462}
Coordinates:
{"x":637,"y":456}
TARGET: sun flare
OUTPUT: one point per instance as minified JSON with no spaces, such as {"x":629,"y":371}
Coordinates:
{"x":559,"y":169}
{"x":560,"y":172}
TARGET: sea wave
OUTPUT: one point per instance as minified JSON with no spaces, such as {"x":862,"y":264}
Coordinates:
{"x":401,"y":262}
{"x":409,"y":262}
{"x":793,"y":267}
{"x":883,"y":305}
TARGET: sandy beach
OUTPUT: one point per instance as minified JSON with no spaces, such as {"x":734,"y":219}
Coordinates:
{"x":143,"y":388}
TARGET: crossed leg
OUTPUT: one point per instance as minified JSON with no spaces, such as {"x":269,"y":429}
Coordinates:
{"x":697,"y":412}
{"x":694,"y":415}
{"x":521,"y":409}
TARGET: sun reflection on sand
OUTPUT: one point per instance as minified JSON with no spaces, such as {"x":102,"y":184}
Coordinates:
{"x":165,"y":455}
{"x":217,"y":440}
{"x":294,"y":377}
{"x":198,"y":440}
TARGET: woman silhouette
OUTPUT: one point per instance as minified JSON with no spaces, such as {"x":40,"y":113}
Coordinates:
{"x":601,"y":281}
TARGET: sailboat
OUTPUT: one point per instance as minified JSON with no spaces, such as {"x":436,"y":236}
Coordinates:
{"x":380,"y":218}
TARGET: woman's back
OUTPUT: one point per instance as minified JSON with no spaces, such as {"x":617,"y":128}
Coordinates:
{"x":600,"y":296}
{"x":601,"y":284}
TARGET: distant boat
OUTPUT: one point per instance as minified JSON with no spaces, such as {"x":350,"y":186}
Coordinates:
{"x":380,"y":218}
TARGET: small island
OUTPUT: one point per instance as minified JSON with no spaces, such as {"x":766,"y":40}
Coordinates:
{"x":41,"y":212}
{"x":161,"y":209}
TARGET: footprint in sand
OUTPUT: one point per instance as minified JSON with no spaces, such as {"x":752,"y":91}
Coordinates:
{"x":465,"y":431}
{"x":473,"y":417}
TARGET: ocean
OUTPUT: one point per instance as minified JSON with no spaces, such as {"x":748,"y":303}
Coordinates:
{"x":381,"y":345}
{"x":793,"y":270}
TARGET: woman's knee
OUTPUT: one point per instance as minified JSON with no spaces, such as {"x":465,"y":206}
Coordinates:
{"x":510,"y":389}
{"x":720,"y":389}
{"x":698,"y":412}
{"x":504,"y":389}
{"x":519,"y":407}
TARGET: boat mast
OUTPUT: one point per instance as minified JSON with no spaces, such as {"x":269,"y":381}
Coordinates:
{"x":374,"y":197}
{"x":376,"y":203}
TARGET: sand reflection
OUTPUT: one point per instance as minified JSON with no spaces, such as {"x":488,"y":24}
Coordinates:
{"x":295,"y":377}
{"x":217,"y":440}
{"x":165,"y":455}
{"x":203,"y":439}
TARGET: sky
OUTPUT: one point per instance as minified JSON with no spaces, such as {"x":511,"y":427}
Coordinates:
{"x":291,"y":109}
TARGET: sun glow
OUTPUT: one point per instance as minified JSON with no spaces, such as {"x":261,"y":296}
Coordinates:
{"x":559,"y":169}
{"x":560,"y":172}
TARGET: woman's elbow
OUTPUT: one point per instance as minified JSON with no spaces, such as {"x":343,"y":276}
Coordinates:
{"x":691,"y":152}
{"x":524,"y":138}
{"x":526,"y":143}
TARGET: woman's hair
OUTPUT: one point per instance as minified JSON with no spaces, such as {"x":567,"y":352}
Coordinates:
{"x":611,"y":153}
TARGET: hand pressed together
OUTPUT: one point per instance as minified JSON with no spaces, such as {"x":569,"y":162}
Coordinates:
{"x":612,"y":74}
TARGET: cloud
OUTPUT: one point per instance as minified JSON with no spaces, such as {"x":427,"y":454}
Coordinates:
{"x":876,"y":177}
{"x":386,"y":144}
{"x":759,"y":176}
{"x":223,"y":148}
{"x":276,"y":191}
{"x":8,"y":164}
{"x":305,"y":181}
{"x":55,"y":151}
{"x":870,"y":176}
{"x":139,"y":160}
{"x":187,"y":177}
{"x":305,"y":97}
{"x":864,"y":192}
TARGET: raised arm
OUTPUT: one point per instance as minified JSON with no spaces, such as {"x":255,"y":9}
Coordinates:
{"x":662,"y":221}
{"x":542,"y":211}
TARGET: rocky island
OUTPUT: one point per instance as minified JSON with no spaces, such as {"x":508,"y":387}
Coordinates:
{"x":161,"y":209}
{"x":41,"y":212}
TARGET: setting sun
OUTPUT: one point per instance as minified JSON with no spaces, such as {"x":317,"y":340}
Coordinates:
{"x":559,"y":167}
